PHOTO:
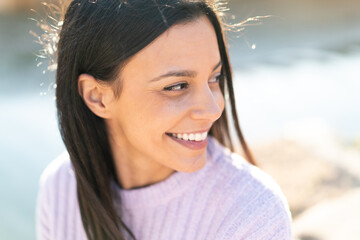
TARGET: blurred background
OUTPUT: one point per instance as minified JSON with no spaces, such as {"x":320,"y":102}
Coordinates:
{"x":297,"y":82}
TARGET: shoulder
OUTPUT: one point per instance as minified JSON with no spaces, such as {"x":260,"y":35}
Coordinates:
{"x":244,"y":176}
{"x":57,"y":182}
{"x":57,"y":171}
{"x":56,"y":201}
{"x":254,"y":207}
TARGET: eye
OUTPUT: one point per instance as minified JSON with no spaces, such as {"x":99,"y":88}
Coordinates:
{"x":217,"y":79}
{"x":177,"y":87}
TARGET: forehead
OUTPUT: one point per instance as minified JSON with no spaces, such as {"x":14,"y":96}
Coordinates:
{"x":189,"y":46}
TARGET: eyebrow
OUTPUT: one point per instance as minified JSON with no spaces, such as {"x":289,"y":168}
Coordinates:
{"x":181,"y":73}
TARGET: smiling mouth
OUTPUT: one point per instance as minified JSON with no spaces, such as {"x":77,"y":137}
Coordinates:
{"x":196,"y":137}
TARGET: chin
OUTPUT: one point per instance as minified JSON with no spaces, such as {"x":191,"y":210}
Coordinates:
{"x":195,"y":166}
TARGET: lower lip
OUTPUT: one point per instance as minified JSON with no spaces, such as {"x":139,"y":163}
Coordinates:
{"x":194,"y":145}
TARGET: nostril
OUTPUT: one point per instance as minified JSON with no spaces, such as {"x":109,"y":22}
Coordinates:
{"x":210,"y":112}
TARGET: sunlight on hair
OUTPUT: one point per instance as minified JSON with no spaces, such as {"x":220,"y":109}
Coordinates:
{"x":50,"y":21}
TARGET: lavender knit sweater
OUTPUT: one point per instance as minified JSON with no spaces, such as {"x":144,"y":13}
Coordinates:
{"x":227,"y":199}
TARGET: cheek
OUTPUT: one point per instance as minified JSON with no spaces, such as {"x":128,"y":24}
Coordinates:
{"x":219,"y":98}
{"x":156,"y":114}
{"x":168,"y":110}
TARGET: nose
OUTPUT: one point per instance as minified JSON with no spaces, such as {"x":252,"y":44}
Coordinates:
{"x":208,"y":104}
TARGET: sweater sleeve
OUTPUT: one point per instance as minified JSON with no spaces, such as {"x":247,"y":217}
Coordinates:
{"x":258,"y":208}
{"x":270,"y":220}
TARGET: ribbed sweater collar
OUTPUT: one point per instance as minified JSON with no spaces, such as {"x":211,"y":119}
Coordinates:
{"x":162,"y":192}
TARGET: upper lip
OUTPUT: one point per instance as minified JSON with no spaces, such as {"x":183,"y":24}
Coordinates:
{"x":193,"y":132}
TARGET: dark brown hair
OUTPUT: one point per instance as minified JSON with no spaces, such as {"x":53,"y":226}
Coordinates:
{"x":98,"y":37}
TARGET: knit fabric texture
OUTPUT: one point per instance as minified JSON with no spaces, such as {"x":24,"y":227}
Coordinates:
{"x":227,"y":199}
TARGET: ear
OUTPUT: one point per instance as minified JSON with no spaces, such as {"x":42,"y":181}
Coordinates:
{"x":95,"y":95}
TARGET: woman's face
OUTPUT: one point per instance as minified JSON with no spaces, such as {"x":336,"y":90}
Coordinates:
{"x":170,"y":88}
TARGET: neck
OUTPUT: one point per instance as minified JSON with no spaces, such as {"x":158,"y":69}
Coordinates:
{"x":135,"y":171}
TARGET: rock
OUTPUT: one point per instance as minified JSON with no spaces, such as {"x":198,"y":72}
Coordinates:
{"x":335,"y":219}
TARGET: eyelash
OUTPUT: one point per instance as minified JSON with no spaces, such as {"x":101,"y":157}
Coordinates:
{"x":185,"y":85}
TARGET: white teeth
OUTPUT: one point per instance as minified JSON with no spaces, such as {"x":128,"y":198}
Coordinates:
{"x":198,"y":136}
{"x":204,"y":135}
{"x":191,"y":137}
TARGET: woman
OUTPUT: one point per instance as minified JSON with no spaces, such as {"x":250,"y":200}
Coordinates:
{"x":141,"y":108}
